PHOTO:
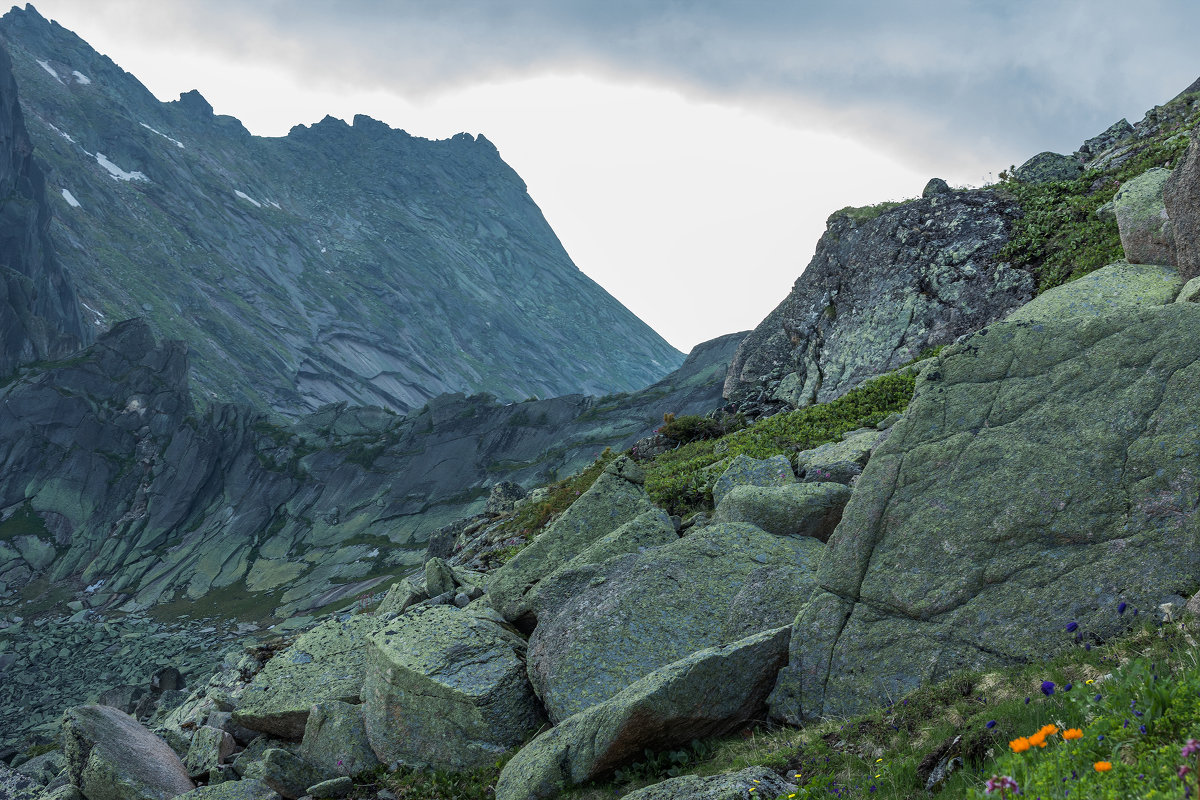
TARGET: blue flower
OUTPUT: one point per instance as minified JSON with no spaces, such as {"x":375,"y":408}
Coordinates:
{"x":1142,"y":728}
{"x":1097,"y":698}
{"x":991,"y":724}
{"x":1121,"y":607}
{"x":1068,"y":687}
{"x":1026,"y":701}
{"x":1072,"y":627}
{"x":1047,"y":688}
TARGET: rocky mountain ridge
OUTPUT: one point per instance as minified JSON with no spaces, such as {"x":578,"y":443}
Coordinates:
{"x":342,"y":262}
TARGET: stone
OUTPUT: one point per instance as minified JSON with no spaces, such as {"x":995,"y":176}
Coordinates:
{"x":44,"y":768}
{"x":746,"y":471}
{"x":764,"y":782}
{"x":335,"y":739}
{"x":332,"y":788}
{"x":935,"y":186}
{"x":167,"y":679}
{"x":111,"y":757}
{"x":124,"y":697}
{"x":210,"y":748}
{"x":446,"y":688}
{"x":840,"y":462}
{"x":246,"y":789}
{"x":326,"y":663}
{"x":503,"y":498}
{"x":708,"y":693}
{"x":1114,"y":134}
{"x":1117,"y":286}
{"x":1181,"y":196}
{"x":439,"y":578}
{"x":1146,"y":232}
{"x":400,"y":596}
{"x":1190,"y":293}
{"x":803,"y":509}
{"x":620,"y":620}
{"x":1048,"y":167}
{"x":650,"y":529}
{"x":615,"y":498}
{"x":1043,"y":472}
{"x":16,"y":786}
{"x":285,"y":772}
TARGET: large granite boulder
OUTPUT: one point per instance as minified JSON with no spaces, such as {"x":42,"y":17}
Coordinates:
{"x":1047,"y":167}
{"x":248,"y":789}
{"x":802,"y":509}
{"x":1181,"y":196}
{"x":1147,"y":235}
{"x":1117,"y":286}
{"x":1044,"y":473}
{"x":618,"y":621}
{"x":15,"y":786}
{"x":708,"y":693}
{"x":752,"y":783}
{"x":746,"y":471}
{"x":326,"y":663}
{"x":615,"y":498}
{"x":446,"y":688}
{"x":838,"y":462}
{"x":285,"y":772}
{"x":112,"y":757}
{"x":335,"y":739}
{"x":883,"y":286}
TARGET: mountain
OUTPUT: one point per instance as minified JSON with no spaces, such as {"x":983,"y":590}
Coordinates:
{"x":341,"y":262}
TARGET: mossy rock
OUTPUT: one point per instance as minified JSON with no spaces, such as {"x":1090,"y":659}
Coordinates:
{"x":1117,"y":286}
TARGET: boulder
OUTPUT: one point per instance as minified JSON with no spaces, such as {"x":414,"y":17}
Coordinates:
{"x":247,"y":789}
{"x":285,"y":772}
{"x":15,"y":786}
{"x":708,"y":693}
{"x":503,"y":498}
{"x":446,"y":688}
{"x":615,"y":498}
{"x":326,"y":663}
{"x":746,"y":471}
{"x":1042,"y":474}
{"x":439,"y":578}
{"x":621,"y":620}
{"x":1181,"y":196}
{"x":1119,"y":285}
{"x":1146,"y":232}
{"x":1190,"y":293}
{"x":209,"y":749}
{"x":111,"y":757}
{"x":335,"y":739}
{"x":838,"y":462}
{"x":752,"y":782}
{"x":400,"y":596}
{"x":332,"y":788}
{"x":935,"y":186}
{"x":802,"y":509}
{"x":1047,"y":167}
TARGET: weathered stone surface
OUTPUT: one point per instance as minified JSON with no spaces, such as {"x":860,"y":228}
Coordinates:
{"x":327,"y":663}
{"x":1146,"y":232}
{"x":752,"y":782}
{"x":15,"y":786}
{"x":446,"y":688}
{"x":1108,"y":289}
{"x":439,"y":578}
{"x":803,"y":509}
{"x":649,"y":529}
{"x":615,"y":498}
{"x":935,"y":186}
{"x":1181,"y":196}
{"x":285,"y":772}
{"x":503,"y":497}
{"x":1047,"y":166}
{"x":880,"y":289}
{"x":1053,"y":463}
{"x":335,"y":739}
{"x":747,"y":471}
{"x":44,"y":768}
{"x":705,"y":694}
{"x":210,"y":747}
{"x":621,"y":620}
{"x":246,"y":789}
{"x":111,"y":757}
{"x":1190,"y":293}
{"x":334,"y":787}
{"x":838,"y":462}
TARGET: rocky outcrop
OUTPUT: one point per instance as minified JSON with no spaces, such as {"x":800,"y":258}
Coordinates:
{"x":342,"y":262}
{"x":804,"y":509}
{"x":751,"y":782}
{"x":1048,"y":166}
{"x":1181,"y":195}
{"x":39,"y":314}
{"x":1112,"y":288}
{"x":705,"y":694}
{"x":1147,"y":234}
{"x":882,"y":287}
{"x":1051,"y":463}
{"x":111,"y":757}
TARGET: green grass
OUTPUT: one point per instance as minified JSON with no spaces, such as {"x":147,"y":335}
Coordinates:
{"x":861,"y":214}
{"x":24,"y":522}
{"x":680,"y":480}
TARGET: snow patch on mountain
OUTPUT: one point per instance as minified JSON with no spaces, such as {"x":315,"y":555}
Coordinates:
{"x":245,"y":196}
{"x":118,"y":173}
{"x":46,"y":66}
{"x":176,"y":142}
{"x":81,"y":78}
{"x":70,"y":198}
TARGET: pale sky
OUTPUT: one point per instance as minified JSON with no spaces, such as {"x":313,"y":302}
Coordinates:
{"x":687,"y":153}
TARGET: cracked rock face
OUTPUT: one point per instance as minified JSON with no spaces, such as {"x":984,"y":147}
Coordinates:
{"x":878,"y":292}
{"x":1044,"y":472}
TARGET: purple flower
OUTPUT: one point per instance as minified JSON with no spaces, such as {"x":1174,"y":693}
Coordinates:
{"x":1097,"y":698}
{"x":1121,"y":607}
{"x":1068,"y":687}
{"x":1026,"y":701}
{"x":1001,"y":783}
{"x":1142,"y":728}
{"x":991,"y":724}
{"x":1047,"y":688}
{"x":1072,"y":627}
{"x":1191,"y":748}
{"x":1100,"y":738}
{"x":1184,"y":769}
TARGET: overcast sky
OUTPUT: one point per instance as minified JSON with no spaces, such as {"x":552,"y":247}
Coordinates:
{"x":687,"y":153}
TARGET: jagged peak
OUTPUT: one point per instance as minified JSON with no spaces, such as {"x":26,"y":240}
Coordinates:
{"x":195,"y":103}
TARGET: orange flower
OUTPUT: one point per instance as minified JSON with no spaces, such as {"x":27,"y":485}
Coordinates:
{"x":1072,"y":733}
{"x":1038,"y":739}
{"x":1103,"y":766}
{"x":1049,"y":730}
{"x":1019,"y":745}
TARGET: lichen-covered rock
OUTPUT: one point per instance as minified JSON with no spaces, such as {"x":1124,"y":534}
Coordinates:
{"x":111,"y":757}
{"x":802,"y":509}
{"x":503,"y":498}
{"x":746,"y":471}
{"x":838,"y":462}
{"x":708,"y":693}
{"x":1147,"y":235}
{"x":615,"y":498}
{"x":210,"y":748}
{"x":326,"y":663}
{"x":335,"y":739}
{"x":446,"y":688}
{"x":246,"y":789}
{"x":1181,"y":196}
{"x":935,"y":186}
{"x":1048,"y":166}
{"x":439,"y":578}
{"x":881,"y":288}
{"x":749,"y":784}
{"x":621,"y":620}
{"x":1117,"y":286}
{"x":1043,"y":473}
{"x":332,"y":788}
{"x":285,"y":772}
{"x":15,"y":786}
{"x":1190,"y":293}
